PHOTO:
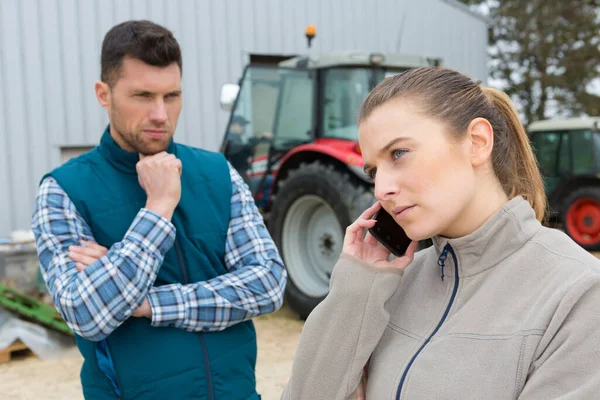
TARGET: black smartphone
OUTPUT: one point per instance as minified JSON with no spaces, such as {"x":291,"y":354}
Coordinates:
{"x":391,"y":235}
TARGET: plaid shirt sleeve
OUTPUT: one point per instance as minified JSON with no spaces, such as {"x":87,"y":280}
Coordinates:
{"x":254,"y":285}
{"x":97,"y":300}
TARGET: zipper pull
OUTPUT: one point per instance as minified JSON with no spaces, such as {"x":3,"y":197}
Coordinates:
{"x":442,"y":260}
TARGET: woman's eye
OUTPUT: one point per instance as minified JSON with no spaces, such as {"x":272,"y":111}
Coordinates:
{"x":398,"y":153}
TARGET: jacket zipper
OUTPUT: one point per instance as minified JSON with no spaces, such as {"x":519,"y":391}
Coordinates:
{"x":209,"y":385}
{"x":441,"y":261}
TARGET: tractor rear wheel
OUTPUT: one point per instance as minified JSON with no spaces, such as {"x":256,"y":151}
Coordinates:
{"x":581,"y":217}
{"x":313,"y":207}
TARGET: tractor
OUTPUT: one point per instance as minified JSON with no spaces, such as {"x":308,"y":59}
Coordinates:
{"x":568,"y":154}
{"x":292,"y":135}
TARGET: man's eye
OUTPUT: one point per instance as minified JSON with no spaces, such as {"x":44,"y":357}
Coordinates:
{"x":371,"y":174}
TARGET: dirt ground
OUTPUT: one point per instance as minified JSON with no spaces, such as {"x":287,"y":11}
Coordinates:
{"x":30,"y":378}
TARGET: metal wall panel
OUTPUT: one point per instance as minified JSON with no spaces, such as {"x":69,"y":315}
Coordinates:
{"x":50,"y":53}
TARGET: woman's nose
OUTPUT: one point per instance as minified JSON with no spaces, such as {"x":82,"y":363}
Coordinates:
{"x":385,"y":186}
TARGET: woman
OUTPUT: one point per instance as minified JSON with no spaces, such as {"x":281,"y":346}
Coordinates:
{"x":499,"y":307}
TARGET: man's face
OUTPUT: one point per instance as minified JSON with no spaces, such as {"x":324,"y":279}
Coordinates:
{"x":236,"y":128}
{"x":143,"y":105}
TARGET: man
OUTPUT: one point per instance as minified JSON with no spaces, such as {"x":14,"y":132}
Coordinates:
{"x":154,"y":252}
{"x":240,"y":148}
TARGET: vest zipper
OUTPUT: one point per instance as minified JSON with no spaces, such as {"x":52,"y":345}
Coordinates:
{"x":441,"y":262}
{"x":180,"y":262}
{"x":209,"y":385}
{"x":114,"y":365}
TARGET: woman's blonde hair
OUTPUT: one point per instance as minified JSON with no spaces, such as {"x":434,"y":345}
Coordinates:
{"x":456,"y":100}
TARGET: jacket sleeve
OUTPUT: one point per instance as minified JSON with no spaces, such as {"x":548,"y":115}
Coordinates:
{"x":568,"y":365}
{"x":342,"y":332}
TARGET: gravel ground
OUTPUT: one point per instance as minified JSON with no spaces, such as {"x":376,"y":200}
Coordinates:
{"x":30,"y":378}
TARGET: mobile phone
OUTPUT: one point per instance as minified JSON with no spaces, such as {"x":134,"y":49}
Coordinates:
{"x":389,"y":233}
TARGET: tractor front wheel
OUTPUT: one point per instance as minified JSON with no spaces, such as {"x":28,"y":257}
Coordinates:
{"x":313,"y":207}
{"x":581,"y":217}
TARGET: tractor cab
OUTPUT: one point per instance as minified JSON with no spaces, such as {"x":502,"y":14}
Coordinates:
{"x":302,"y":100}
{"x":292,"y":135}
{"x":568,"y":155}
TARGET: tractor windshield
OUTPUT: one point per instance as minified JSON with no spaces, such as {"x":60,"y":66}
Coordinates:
{"x":562,"y":154}
{"x":344,"y":90}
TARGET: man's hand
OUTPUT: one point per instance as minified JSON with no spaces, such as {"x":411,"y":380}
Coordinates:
{"x":160,"y":177}
{"x":92,"y":252}
{"x":84,"y":256}
{"x":144,"y":310}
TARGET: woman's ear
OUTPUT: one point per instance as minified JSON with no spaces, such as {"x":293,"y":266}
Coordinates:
{"x":481,"y":136}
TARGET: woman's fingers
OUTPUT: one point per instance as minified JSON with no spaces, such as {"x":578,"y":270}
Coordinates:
{"x":355,"y":233}
{"x":408,"y":256}
{"x":80,"y":267}
{"x":370,"y":239}
{"x":369,"y":212}
{"x":410,"y":251}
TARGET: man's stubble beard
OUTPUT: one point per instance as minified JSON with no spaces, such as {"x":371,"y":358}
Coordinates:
{"x":134,"y":140}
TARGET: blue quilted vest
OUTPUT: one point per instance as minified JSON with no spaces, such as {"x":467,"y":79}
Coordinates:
{"x":148,"y":362}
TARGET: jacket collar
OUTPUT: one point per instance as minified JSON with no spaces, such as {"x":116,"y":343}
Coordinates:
{"x":505,"y":232}
{"x":124,"y":161}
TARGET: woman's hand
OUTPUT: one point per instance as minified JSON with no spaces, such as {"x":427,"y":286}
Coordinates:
{"x":361,"y":390}
{"x":367,"y":248}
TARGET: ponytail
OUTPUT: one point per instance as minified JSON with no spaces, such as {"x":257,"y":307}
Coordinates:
{"x":522,"y":177}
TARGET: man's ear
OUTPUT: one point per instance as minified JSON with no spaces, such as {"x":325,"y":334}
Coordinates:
{"x":481,"y":136}
{"x":103,"y":94}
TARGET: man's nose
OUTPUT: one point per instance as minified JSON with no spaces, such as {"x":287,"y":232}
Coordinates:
{"x":159,"y":113}
{"x":386,"y":186}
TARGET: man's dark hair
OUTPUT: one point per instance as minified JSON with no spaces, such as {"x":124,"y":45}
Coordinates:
{"x":142,"y":40}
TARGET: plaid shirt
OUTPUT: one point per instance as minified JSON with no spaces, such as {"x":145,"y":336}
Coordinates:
{"x":97,"y":300}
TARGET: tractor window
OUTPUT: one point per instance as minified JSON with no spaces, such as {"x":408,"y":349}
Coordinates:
{"x":295,"y":111}
{"x":552,"y":153}
{"x":583,"y":152}
{"x":564,"y":155}
{"x":249,"y":131}
{"x":546,"y":148}
{"x":343,"y":93}
{"x":255,"y":108}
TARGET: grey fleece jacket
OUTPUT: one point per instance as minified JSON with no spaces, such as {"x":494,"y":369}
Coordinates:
{"x":516,"y":315}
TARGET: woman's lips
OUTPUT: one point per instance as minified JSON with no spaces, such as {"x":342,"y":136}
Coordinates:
{"x":402,"y":212}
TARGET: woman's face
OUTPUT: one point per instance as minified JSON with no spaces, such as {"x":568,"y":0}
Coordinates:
{"x":423,"y":177}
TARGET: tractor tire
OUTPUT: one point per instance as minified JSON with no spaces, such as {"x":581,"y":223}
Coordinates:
{"x":581,"y":217}
{"x":312,"y":208}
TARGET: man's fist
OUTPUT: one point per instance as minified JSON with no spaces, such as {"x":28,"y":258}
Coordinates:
{"x":160,"y":177}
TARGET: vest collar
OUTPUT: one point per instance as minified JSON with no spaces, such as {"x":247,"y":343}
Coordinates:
{"x":124,"y":161}
{"x":499,"y":237}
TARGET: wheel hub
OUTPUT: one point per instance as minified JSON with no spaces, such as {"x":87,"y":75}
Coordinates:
{"x":327,"y":244}
{"x":583,"y":221}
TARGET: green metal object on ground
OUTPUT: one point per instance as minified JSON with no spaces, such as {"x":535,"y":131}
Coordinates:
{"x":32,"y":309}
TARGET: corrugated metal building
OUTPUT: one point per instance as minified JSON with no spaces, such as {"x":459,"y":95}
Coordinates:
{"x":50,"y":54}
